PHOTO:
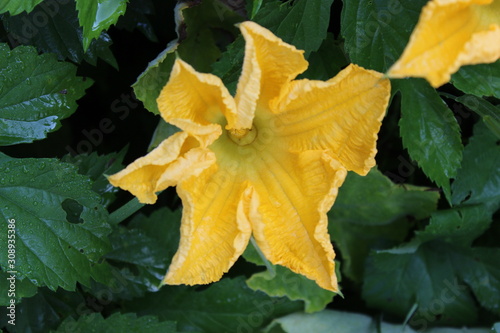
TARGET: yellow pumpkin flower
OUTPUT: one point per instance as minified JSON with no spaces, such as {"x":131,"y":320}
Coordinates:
{"x":266,"y":163}
{"x":450,"y":34}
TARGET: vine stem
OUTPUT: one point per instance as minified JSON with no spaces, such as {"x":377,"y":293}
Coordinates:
{"x":269,"y":266}
{"x":125,"y":211}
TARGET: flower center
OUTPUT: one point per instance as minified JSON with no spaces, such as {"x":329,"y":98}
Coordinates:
{"x":243,"y":137}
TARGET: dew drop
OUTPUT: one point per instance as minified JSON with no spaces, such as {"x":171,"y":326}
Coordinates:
{"x":35,"y":203}
{"x":28,"y":81}
{"x":41,"y":166}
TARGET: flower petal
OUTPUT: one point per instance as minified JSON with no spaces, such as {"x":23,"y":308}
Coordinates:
{"x":214,"y":230}
{"x":199,"y":97}
{"x":450,"y":34}
{"x":269,"y":65}
{"x":342,"y":115}
{"x":176,"y":158}
{"x":288,"y":212}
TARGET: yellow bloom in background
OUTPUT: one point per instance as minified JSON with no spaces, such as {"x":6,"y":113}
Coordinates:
{"x":450,"y":34}
{"x":267,"y":162}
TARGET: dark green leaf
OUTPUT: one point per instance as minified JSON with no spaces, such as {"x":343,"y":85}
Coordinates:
{"x":430,"y":131}
{"x":299,"y":29}
{"x":326,"y":62}
{"x":478,"y":180}
{"x":376,"y":32}
{"x":45,"y":311}
{"x":13,"y":288}
{"x":54,"y":248}
{"x":36,"y":93}
{"x":460,"y":225}
{"x":97,"y":167}
{"x":149,"y":84}
{"x":141,"y":254}
{"x":16,"y":7}
{"x":53,"y":27}
{"x":226,"y":306}
{"x":489,"y":112}
{"x":373,"y":213}
{"x":479,"y":80}
{"x":136,"y":17}
{"x":118,"y":323}
{"x":95,"y":17}
{"x":441,"y":279}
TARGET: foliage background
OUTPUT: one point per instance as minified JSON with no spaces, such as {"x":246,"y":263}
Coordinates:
{"x":417,"y":239}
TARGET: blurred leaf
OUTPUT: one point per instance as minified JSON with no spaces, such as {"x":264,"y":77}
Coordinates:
{"x":347,"y":322}
{"x":52,"y":249}
{"x":226,"y":306}
{"x":36,"y":93}
{"x":149,"y":84}
{"x":45,"y":311}
{"x":371,"y":212}
{"x":118,"y":323}
{"x":496,"y":327}
{"x":478,"y":180}
{"x":53,"y":27}
{"x":97,"y":16}
{"x":429,"y":131}
{"x":16,"y":7}
{"x":96,"y":167}
{"x":376,"y":32}
{"x":23,"y":288}
{"x":136,"y":17}
{"x":440,"y":278}
{"x":326,"y":62}
{"x":489,"y":112}
{"x":479,"y":80}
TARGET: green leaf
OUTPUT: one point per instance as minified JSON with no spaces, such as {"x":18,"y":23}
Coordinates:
{"x":371,"y":212}
{"x":45,"y":311}
{"x":60,"y":226}
{"x":460,"y":225}
{"x":479,"y":80}
{"x":478,"y":180}
{"x":96,"y":16}
{"x":53,"y":27}
{"x":96,"y":167}
{"x":376,"y":32}
{"x":226,"y":306}
{"x":299,"y":29}
{"x":326,"y":62}
{"x":496,"y":327}
{"x":443,"y":280}
{"x":347,"y":322}
{"x":14,"y":289}
{"x":284,"y":282}
{"x":36,"y":93}
{"x":118,"y":323}
{"x":149,"y":84}
{"x":429,"y":131}
{"x":489,"y":112}
{"x":136,"y":17}
{"x":16,"y":7}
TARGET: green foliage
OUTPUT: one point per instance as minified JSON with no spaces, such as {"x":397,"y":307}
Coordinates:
{"x":95,"y":17}
{"x":56,"y":212}
{"x":116,"y":323}
{"x":37,"y":93}
{"x":227,"y":306}
{"x":16,"y":7}
{"x":416,"y":239}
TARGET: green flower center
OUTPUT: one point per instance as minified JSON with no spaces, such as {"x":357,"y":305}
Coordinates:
{"x":243,"y":137}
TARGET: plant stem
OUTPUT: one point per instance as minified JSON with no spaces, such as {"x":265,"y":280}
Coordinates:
{"x":125,"y":211}
{"x":269,"y":266}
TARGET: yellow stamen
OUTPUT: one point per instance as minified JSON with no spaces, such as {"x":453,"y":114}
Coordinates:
{"x":244,"y":136}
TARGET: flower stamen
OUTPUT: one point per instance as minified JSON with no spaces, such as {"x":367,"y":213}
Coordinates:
{"x":243,"y":136}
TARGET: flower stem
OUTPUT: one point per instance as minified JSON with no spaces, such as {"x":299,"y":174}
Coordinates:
{"x":125,"y":211}
{"x":269,"y":266}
